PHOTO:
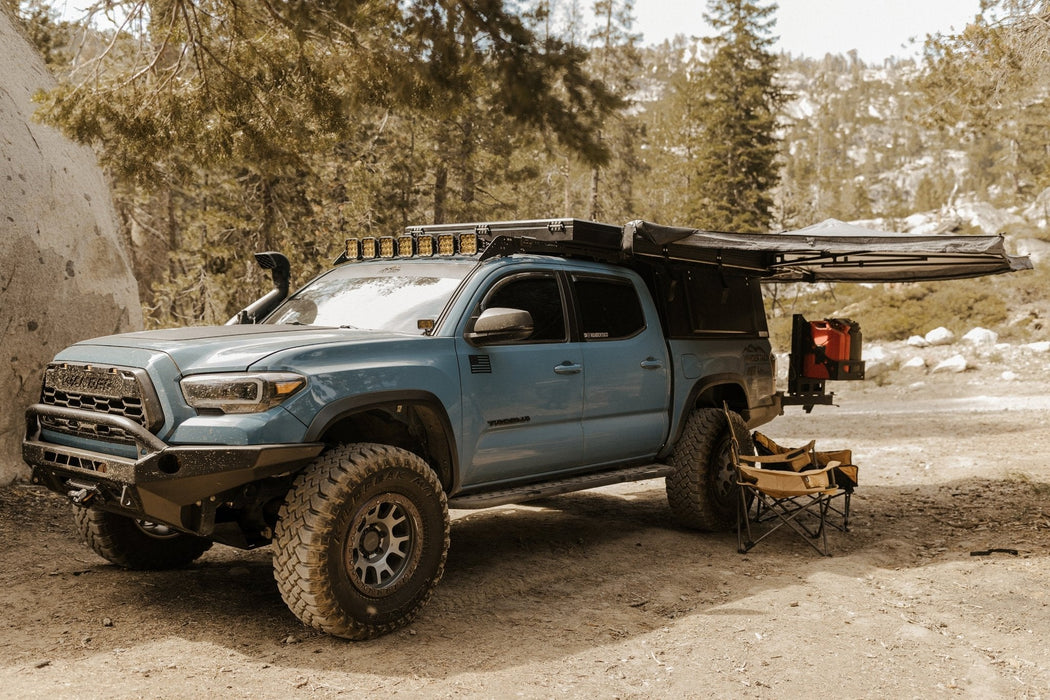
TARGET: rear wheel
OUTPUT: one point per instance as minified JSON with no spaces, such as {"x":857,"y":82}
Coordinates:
{"x":701,"y":489}
{"x":137,"y":544}
{"x":361,"y":540}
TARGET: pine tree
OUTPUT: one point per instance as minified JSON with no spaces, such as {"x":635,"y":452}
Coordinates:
{"x":616,"y":62}
{"x":230,"y":127}
{"x":734,"y":159}
{"x":989,"y":83}
{"x":669,"y":122}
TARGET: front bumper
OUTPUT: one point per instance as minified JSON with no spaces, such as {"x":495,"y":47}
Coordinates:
{"x":180,"y":485}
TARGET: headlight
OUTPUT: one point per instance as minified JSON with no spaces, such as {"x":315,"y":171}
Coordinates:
{"x":240,"y":393}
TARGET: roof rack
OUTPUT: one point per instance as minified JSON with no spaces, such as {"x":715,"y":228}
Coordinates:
{"x":580,"y":238}
{"x":831,"y":251}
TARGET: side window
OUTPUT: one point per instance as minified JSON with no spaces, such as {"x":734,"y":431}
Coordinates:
{"x":699,"y":301}
{"x":724,"y":303}
{"x":609,"y":308}
{"x":540,"y":296}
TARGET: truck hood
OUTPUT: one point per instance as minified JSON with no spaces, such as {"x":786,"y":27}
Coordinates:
{"x":233,"y":348}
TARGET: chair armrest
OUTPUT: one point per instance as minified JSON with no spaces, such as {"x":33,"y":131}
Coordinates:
{"x":842,"y":456}
{"x":766,"y":446}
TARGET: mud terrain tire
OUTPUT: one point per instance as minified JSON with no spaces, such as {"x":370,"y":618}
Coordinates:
{"x":135,"y":544}
{"x":702,"y":489}
{"x":361,"y":540}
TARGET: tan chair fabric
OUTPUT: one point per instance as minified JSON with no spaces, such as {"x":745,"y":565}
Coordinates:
{"x":785,"y":484}
{"x":782,"y":486}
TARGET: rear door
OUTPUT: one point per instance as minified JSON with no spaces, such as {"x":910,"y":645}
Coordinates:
{"x":627,"y":379}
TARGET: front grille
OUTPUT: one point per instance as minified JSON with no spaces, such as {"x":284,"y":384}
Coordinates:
{"x":127,"y":406}
{"x":113,"y":390}
{"x":85,"y":429}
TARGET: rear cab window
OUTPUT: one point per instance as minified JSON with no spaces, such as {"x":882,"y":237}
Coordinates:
{"x":608,"y":308}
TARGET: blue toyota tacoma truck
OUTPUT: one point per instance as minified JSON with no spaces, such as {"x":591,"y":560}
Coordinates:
{"x":456,"y":366}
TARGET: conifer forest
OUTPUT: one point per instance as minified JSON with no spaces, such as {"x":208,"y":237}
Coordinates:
{"x":228,"y":127}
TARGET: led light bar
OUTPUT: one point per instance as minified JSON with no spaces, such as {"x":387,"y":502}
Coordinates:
{"x":415,"y":242}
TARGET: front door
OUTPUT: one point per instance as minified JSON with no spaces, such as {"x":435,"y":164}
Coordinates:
{"x":522,"y":400}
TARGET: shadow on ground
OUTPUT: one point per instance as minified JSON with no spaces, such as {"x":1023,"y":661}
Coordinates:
{"x":547,"y":579}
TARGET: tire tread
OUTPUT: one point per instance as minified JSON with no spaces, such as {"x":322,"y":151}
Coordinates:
{"x":117,"y":539}
{"x":301,"y":538}
{"x":689,"y":491}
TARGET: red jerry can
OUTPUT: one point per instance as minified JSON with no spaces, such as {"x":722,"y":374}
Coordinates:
{"x":835,"y":350}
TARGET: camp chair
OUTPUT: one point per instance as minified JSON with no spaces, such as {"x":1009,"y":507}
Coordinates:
{"x":844,"y":474}
{"x":786,"y":496}
{"x":783,"y":486}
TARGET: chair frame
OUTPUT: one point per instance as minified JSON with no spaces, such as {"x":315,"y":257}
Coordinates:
{"x":788,"y":492}
{"x":778,"y":497}
{"x":845,"y":473}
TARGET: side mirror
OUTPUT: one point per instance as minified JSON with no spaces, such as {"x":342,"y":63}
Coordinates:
{"x":498,"y":325}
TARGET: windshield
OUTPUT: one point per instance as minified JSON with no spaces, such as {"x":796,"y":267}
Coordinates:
{"x":382,"y":295}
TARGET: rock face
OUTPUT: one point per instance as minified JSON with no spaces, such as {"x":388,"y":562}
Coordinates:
{"x":64,"y":273}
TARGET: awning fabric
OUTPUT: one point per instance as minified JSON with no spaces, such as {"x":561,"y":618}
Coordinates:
{"x":831,"y":251}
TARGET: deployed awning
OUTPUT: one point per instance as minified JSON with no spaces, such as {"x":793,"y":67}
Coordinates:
{"x":831,"y":251}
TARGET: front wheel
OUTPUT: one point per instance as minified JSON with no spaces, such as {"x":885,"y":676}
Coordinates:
{"x":137,"y":544}
{"x":701,"y":489}
{"x":361,"y":540}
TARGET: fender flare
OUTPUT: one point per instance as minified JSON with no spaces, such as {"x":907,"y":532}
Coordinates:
{"x":445,"y":449}
{"x":729,"y":380}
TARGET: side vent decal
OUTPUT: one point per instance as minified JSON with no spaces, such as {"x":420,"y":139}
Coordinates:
{"x":480,"y":364}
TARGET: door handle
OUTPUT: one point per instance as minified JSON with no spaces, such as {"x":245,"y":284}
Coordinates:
{"x":652,"y":363}
{"x":568,"y":368}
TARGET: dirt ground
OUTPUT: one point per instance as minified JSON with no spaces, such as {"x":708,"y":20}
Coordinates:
{"x":599,"y":594}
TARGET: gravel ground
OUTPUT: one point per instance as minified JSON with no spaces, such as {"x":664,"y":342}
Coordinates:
{"x":599,"y":594}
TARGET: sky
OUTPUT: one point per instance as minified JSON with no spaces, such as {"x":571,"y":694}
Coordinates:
{"x":877,"y":29}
